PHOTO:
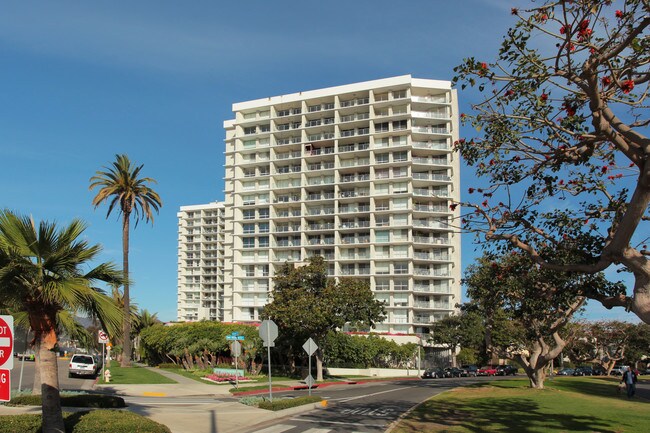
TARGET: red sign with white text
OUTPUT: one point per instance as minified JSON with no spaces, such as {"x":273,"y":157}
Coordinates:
{"x":7,"y":342}
{"x":5,"y":385}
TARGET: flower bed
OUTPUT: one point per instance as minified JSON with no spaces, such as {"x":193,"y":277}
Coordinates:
{"x":226,"y":378}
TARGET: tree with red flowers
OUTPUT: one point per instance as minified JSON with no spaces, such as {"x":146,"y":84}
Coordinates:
{"x":562,"y":139}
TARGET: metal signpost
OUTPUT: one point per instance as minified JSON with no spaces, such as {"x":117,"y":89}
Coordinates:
{"x":268,"y":334}
{"x":102,"y":338}
{"x":6,"y":356}
{"x":310,"y":347}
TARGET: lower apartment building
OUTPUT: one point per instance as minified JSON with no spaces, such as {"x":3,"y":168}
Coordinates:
{"x":361,"y":174}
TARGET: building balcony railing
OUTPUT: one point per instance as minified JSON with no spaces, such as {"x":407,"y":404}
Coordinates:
{"x":430,"y":240}
{"x":433,"y":99}
{"x":431,"y":130}
{"x":431,"y":114}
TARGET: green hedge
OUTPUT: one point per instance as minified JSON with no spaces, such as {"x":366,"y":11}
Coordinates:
{"x":286,"y":403}
{"x":98,"y":401}
{"x":96,"y":421}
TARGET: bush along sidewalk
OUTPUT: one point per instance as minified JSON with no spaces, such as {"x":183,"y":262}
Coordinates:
{"x":96,"y":421}
{"x":280,"y":403}
{"x":98,"y":401}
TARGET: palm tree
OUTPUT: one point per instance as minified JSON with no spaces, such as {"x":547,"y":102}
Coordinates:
{"x":43,"y":275}
{"x":121,"y":186}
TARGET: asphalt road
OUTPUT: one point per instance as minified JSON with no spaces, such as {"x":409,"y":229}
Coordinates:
{"x":364,"y":408}
{"x":65,"y":383}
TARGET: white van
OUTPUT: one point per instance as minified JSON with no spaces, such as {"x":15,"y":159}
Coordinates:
{"x":83,"y":365}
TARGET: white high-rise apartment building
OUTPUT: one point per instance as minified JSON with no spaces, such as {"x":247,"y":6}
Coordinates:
{"x":201,"y":262}
{"x":362,"y":174}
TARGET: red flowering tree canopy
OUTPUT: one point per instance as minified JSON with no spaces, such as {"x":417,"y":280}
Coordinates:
{"x":563,"y":140}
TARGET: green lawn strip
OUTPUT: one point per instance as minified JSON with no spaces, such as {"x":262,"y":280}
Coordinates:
{"x":76,"y":400}
{"x":567,"y":404}
{"x":134,"y":375}
{"x":198,"y":374}
{"x":96,"y":421}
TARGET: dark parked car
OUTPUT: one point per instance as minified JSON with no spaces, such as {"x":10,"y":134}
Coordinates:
{"x":566,"y":372}
{"x":583,"y":371}
{"x":507,"y":370}
{"x":469,"y":370}
{"x":453,"y":372}
{"x":599,"y":371}
{"x":433,"y":373}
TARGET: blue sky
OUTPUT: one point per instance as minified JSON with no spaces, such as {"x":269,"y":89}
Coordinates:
{"x":82,"y":81}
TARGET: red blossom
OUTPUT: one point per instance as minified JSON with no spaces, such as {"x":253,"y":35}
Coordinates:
{"x":606,"y":81}
{"x":584,"y":24}
{"x":514,"y":11}
{"x":462,"y":115}
{"x":604,"y":169}
{"x":619,"y":14}
{"x":453,"y":206}
{"x":516,"y":158}
{"x":487,"y":194}
{"x":485,"y":203}
{"x":510,"y":92}
{"x":586,"y":222}
{"x":492,"y":162}
{"x":484,"y":65}
{"x":631,"y":164}
{"x":627,"y":86}
{"x":470,"y":190}
{"x":543,"y":18}
{"x":565,"y":29}
{"x":561,"y":182}
{"x":543,"y":97}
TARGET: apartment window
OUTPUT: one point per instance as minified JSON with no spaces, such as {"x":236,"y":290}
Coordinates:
{"x":263,"y":241}
{"x":249,"y":270}
{"x":400,"y":188}
{"x":400,"y":285}
{"x":249,"y":242}
{"x":248,"y":186}
{"x":382,"y":205}
{"x":381,"y":158}
{"x":248,"y":256}
{"x":399,"y":172}
{"x":382,"y":220}
{"x":382,"y":268}
{"x":399,"y":141}
{"x":400,"y":251}
{"x":264,"y":213}
{"x":401,"y":94}
{"x":401,"y":300}
{"x":382,"y":285}
{"x":382,"y":235}
{"x":249,"y":229}
{"x":249,"y":172}
{"x":399,"y":125}
{"x":400,"y":220}
{"x":250,"y":130}
{"x":400,"y":156}
{"x":400,"y":203}
{"x":249,"y":144}
{"x":263,"y":227}
{"x":381,"y":127}
{"x":400,"y":268}
{"x":249,"y":214}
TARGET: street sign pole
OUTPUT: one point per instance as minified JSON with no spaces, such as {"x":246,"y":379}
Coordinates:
{"x":268,"y":354}
{"x":309,"y":374}
{"x":310,"y":347}
{"x":268,"y":334}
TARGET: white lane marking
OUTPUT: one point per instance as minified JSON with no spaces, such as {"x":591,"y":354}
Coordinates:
{"x":276,"y":428}
{"x":336,"y":422}
{"x":317,"y":430}
{"x":343,"y":400}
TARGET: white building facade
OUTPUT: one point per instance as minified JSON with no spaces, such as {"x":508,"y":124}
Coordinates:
{"x":201,"y":262}
{"x":361,"y":174}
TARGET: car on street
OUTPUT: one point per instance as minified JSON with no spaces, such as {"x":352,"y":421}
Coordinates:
{"x":618,"y":370}
{"x":453,"y":372}
{"x":599,"y":371}
{"x":566,"y":372}
{"x":507,"y":370}
{"x":82,"y":364}
{"x":433,"y":373}
{"x":469,"y":370}
{"x":488,"y":370}
{"x":583,"y":371}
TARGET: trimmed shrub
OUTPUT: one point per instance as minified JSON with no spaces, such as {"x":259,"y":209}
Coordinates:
{"x":286,"y":403}
{"x":115,"y":421}
{"x":99,"y":401}
{"x":252,"y":400}
{"x":96,"y":421}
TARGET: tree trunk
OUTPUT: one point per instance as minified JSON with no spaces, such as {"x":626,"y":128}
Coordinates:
{"x":51,"y":400}
{"x":36,"y":387}
{"x":126,"y":324}
{"x":536,"y":377}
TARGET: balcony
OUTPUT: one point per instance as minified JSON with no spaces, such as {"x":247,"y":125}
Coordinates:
{"x":431,"y":114}
{"x":430,"y":240}
{"x":431,"y":130}
{"x":354,"y":102}
{"x":353,"y":117}
{"x":430,"y":99}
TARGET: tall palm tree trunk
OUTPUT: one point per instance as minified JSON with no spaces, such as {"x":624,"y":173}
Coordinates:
{"x":45,"y":347}
{"x":126,"y":328}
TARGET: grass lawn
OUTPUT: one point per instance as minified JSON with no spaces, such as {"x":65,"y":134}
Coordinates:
{"x":572,"y":404}
{"x":134,"y":375}
{"x":197,"y":374}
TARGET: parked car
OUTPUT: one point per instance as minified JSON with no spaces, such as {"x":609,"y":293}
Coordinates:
{"x":469,"y":370}
{"x":83,"y":365}
{"x":618,"y":370}
{"x":583,"y":371}
{"x":507,"y":370}
{"x":453,"y":372}
{"x":488,"y":370}
{"x":599,"y":371}
{"x":433,"y":373}
{"x":566,"y":372}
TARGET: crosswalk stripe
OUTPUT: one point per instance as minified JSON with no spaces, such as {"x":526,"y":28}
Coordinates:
{"x":279,"y":428}
{"x":318,"y":430}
